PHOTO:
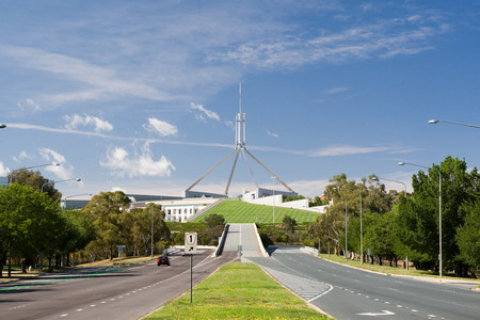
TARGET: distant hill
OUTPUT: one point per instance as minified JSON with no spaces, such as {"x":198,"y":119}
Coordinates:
{"x":3,"y":180}
{"x":236,"y":211}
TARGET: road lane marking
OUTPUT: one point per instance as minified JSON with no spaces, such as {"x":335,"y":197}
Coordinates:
{"x":372,"y":314}
{"x":322,"y":294}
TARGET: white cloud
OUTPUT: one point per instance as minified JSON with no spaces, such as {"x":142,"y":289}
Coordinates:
{"x":64,"y":170}
{"x":104,"y":80}
{"x":29,"y":104}
{"x":3,"y":170}
{"x":350,"y":150}
{"x":73,"y":122}
{"x":160,"y":127}
{"x":22,"y":156}
{"x":337,"y":90}
{"x":383,"y":39}
{"x":210,"y":114}
{"x":271,"y":134}
{"x":122,"y":164}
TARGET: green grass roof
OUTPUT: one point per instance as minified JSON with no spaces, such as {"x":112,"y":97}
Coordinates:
{"x":236,"y":211}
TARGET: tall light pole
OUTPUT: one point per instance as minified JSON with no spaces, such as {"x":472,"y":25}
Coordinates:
{"x":53,"y":182}
{"x":74,"y":195}
{"x":361,"y":229}
{"x":435,"y":121}
{"x":375,"y":178}
{"x":440,"y":259}
{"x":346,"y":232}
{"x":151,"y":232}
{"x":273,"y":197}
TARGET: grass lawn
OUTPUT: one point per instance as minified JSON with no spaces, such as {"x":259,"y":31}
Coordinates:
{"x":392,"y":270}
{"x":236,"y":211}
{"x":238,"y":291}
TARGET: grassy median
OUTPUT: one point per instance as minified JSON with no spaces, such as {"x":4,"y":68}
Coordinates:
{"x":238,"y":291}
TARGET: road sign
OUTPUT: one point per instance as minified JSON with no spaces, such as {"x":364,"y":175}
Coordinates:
{"x":191,"y":242}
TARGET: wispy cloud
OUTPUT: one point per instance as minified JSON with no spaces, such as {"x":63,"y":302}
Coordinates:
{"x":350,"y":150}
{"x":337,"y":90}
{"x":73,"y":122}
{"x":104,"y":80}
{"x":123,"y":164}
{"x":3,"y":170}
{"x":384,"y":39}
{"x":204,"y":112}
{"x":64,"y":170}
{"x":323,"y":152}
{"x":29,"y":104}
{"x":160,"y":127}
{"x":271,"y":134}
{"x":25,"y":126}
{"x":22,"y":156}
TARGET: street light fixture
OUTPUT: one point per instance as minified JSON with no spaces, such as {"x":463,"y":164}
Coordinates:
{"x":440,"y":260}
{"x":435,"y":121}
{"x":53,"y":182}
{"x":2,"y":125}
{"x":273,"y":198}
{"x":74,"y":195}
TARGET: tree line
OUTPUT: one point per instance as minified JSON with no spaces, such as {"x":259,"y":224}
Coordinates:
{"x":34,"y":229}
{"x":406,"y":226}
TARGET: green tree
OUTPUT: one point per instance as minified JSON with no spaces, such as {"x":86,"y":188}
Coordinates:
{"x":468,"y":235}
{"x":104,"y":212}
{"x":419,"y":214}
{"x":30,"y":222}
{"x":35,"y":180}
{"x":289,"y":224}
{"x":215,"y":226}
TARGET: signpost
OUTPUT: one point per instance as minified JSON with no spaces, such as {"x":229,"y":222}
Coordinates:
{"x":191,"y":248}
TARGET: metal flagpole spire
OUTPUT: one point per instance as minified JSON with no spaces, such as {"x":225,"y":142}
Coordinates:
{"x":240,"y":137}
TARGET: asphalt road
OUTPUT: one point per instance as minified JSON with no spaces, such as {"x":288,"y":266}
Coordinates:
{"x":347,"y":293}
{"x":106,"y":293}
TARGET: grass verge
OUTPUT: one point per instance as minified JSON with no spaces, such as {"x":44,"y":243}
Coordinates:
{"x":392,"y":270}
{"x":238,"y":291}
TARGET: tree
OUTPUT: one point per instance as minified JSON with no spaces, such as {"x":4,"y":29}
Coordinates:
{"x":30,"y":223}
{"x":104,"y":212}
{"x":215,"y":226}
{"x":35,"y":180}
{"x":289,"y":224}
{"x":419,"y":215}
{"x":214,"y":219}
{"x":468,"y":235}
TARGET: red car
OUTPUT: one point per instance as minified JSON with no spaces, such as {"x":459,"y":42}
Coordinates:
{"x":163,"y":260}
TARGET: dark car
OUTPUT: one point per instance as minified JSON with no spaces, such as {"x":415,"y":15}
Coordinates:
{"x":163,"y":260}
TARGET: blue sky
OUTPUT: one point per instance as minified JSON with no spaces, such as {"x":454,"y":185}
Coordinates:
{"x":142,"y":96}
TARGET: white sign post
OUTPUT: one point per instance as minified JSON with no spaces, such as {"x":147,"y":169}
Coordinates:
{"x":191,"y":242}
{"x":191,"y":248}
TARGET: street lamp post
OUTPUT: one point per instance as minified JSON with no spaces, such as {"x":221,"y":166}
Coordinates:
{"x":151,"y":233}
{"x":73,"y":195}
{"x":435,"y":121}
{"x":375,"y":178}
{"x":53,"y":182}
{"x":361,"y":229}
{"x":2,"y":125}
{"x":346,"y":232}
{"x":440,"y":258}
{"x":273,"y":198}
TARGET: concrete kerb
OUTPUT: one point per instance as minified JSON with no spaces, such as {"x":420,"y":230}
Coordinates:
{"x":221,"y":243}
{"x":260,"y":243}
